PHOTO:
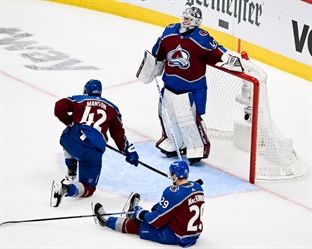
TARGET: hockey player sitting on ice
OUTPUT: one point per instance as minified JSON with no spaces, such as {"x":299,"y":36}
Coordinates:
{"x":175,"y":220}
{"x":181,"y":53}
{"x":88,"y":117}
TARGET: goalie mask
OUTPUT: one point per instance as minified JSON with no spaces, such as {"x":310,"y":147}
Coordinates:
{"x":190,"y":19}
{"x":93,"y":87}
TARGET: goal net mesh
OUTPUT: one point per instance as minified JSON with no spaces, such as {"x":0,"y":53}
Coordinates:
{"x":275,"y":157}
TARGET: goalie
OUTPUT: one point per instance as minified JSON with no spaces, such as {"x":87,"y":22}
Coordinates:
{"x":181,"y":54}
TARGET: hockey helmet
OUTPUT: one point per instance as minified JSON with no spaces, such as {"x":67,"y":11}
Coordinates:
{"x":180,"y":169}
{"x":93,"y":87}
{"x":194,"y":15}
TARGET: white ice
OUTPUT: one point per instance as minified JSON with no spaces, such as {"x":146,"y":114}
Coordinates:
{"x":263,"y":215}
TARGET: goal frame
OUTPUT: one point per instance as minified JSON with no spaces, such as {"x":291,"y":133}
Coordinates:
{"x":254,"y":121}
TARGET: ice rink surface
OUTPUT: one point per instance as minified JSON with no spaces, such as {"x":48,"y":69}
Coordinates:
{"x":50,"y":52}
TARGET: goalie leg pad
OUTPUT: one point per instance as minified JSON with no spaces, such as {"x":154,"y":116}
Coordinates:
{"x":171,"y":131}
{"x":186,"y":120}
{"x":166,"y":145}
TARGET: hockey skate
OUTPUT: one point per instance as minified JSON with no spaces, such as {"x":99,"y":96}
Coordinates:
{"x":194,"y":160}
{"x":59,"y":189}
{"x":132,"y":201}
{"x":71,"y":176}
{"x":173,"y":153}
{"x":99,"y":212}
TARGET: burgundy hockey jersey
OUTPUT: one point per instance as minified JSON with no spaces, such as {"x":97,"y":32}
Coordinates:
{"x":93,"y":111}
{"x":181,"y":208}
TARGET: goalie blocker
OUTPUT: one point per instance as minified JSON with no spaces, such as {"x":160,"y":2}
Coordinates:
{"x":149,"y":68}
{"x":187,"y":126}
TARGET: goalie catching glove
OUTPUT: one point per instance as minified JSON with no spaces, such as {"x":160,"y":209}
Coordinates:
{"x":132,"y":156}
{"x":231,"y":62}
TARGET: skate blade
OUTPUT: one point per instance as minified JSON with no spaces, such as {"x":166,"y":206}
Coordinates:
{"x":94,"y":217}
{"x":54,"y":201}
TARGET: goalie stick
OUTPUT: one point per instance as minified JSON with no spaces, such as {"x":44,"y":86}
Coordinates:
{"x":149,"y":69}
{"x":168,"y":119}
{"x":61,"y":218}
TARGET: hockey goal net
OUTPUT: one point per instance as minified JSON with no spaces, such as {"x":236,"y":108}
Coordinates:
{"x":238,"y":109}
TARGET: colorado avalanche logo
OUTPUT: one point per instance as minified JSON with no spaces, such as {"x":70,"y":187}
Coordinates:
{"x":203,"y":32}
{"x":174,"y":188}
{"x":171,"y":25}
{"x":178,"y":58}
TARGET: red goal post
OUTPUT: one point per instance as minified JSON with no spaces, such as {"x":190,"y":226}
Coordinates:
{"x":249,"y":125}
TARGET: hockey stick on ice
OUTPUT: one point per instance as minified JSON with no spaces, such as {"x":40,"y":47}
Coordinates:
{"x":144,"y":164}
{"x":199,"y":181}
{"x":170,"y":125}
{"x":61,"y":218}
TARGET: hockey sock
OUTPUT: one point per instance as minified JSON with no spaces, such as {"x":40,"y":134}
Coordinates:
{"x":72,"y":191}
{"x":111,"y":223}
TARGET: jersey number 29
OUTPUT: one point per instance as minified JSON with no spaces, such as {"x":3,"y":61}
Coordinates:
{"x":199,"y":211}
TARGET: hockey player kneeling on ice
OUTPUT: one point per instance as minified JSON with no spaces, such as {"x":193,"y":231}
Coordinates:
{"x":181,"y":55}
{"x":88,"y":117}
{"x":175,"y":220}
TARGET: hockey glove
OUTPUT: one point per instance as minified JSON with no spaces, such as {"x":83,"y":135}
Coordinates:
{"x":132,"y":156}
{"x":160,"y":66}
{"x":155,"y":207}
{"x":231,"y":62}
{"x":139,"y":213}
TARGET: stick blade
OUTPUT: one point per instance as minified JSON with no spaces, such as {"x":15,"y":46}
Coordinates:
{"x":200,"y":181}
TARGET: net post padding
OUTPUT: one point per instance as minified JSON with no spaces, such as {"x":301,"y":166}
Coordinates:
{"x":272,"y":156}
